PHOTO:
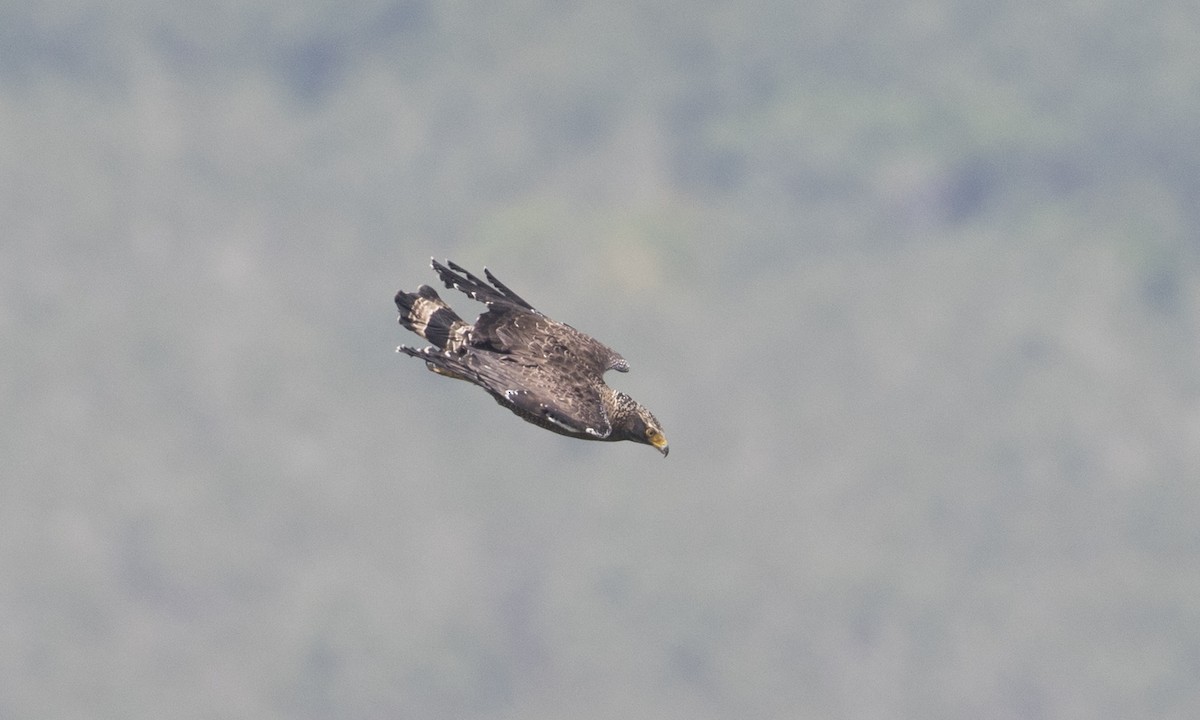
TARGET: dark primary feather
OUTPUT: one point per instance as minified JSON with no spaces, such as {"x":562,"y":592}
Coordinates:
{"x":475,"y":288}
{"x":545,"y":371}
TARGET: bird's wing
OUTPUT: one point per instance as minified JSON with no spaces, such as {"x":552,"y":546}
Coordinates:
{"x":512,"y":325}
{"x":538,"y":340}
{"x":495,"y":294}
{"x":545,"y":394}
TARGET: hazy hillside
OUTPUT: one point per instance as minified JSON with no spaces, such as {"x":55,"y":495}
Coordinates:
{"x":913,"y":287}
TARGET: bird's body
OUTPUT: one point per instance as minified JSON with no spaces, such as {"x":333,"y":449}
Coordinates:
{"x":545,"y":371}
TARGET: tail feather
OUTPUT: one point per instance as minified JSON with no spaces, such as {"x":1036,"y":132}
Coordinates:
{"x":429,"y":316}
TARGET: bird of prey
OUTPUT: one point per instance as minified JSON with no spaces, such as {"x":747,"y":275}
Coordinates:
{"x":546,"y":372}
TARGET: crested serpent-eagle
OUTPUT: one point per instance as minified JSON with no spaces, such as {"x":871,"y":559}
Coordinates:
{"x":547,"y":372}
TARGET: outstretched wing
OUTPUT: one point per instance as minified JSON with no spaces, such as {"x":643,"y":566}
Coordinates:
{"x":495,"y":294}
{"x":549,"y":412}
{"x":513,"y":326}
{"x":565,"y":402}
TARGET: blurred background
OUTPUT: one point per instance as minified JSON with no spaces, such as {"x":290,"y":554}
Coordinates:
{"x":913,"y":287}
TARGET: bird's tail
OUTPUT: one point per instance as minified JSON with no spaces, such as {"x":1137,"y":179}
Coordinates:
{"x":429,"y":316}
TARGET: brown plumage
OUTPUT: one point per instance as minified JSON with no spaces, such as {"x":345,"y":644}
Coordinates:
{"x":546,"y":372}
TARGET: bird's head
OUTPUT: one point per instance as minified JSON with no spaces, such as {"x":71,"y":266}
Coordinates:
{"x":640,"y":425}
{"x":655,"y":437}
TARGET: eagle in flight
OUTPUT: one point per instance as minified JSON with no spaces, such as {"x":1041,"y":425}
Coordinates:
{"x":546,"y":372}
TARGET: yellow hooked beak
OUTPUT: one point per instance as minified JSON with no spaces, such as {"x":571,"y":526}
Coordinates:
{"x":658,"y":440}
